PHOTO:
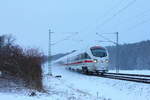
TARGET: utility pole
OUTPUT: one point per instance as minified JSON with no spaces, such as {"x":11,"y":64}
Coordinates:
{"x":117,"y":52}
{"x":49,"y":54}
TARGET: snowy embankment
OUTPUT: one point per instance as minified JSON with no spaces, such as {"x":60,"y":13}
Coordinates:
{"x":105,"y":88}
{"x":76,"y":86}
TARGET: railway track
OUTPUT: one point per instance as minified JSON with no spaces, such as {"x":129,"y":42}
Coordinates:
{"x":121,"y":76}
{"x":128,"y":77}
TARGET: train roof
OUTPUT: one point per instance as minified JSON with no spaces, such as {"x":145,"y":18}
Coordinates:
{"x":69,"y":55}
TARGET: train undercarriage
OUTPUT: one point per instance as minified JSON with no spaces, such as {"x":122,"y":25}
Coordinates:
{"x":85,"y":70}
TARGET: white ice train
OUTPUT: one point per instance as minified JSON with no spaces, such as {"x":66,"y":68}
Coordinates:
{"x":92,"y":60}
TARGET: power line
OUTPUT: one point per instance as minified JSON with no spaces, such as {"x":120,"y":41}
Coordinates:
{"x":116,"y":14}
{"x":106,"y":14}
{"x":136,"y":17}
{"x":110,"y":10}
{"x":143,"y":14}
{"x":66,"y":38}
{"x":138,"y":24}
{"x":105,"y":38}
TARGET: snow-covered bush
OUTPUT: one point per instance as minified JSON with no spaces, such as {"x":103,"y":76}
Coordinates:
{"x":22,"y":63}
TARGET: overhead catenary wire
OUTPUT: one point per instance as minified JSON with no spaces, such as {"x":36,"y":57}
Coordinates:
{"x":143,"y":14}
{"x":113,"y":16}
{"x":116,"y":14}
{"x":138,"y":17}
{"x":110,"y":18}
{"x":137,"y":25}
{"x":108,"y":40}
{"x":66,"y":38}
{"x":104,"y":15}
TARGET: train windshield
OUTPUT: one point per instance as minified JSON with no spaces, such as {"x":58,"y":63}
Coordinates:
{"x":99,"y":52}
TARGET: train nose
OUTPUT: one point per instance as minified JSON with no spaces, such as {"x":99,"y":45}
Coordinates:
{"x":101,"y":61}
{"x":102,"y":64}
{"x":104,"y":61}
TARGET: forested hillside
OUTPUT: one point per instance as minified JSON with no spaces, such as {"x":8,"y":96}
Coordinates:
{"x":131,"y":56}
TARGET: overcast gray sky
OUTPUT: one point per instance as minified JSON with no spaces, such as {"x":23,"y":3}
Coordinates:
{"x":29,"y":21}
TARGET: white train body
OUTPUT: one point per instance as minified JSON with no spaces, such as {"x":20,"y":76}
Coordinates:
{"x":94,"y":59}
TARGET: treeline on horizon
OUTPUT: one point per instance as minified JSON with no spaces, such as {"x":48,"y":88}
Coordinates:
{"x":135,"y":56}
{"x":24,"y":64}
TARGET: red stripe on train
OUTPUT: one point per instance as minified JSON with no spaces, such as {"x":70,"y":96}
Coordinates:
{"x":88,"y":61}
{"x":79,"y":62}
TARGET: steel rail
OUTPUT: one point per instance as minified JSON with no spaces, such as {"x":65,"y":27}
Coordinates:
{"x":126,"y":77}
{"x":139,"y":75}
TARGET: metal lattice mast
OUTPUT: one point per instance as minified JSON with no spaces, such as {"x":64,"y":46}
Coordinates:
{"x":117,"y":53}
{"x":49,"y":54}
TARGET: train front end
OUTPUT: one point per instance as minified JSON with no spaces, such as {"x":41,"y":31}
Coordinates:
{"x":100,"y":58}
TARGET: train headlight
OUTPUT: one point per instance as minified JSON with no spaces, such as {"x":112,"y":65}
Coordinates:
{"x":95,"y":60}
{"x":107,"y":61}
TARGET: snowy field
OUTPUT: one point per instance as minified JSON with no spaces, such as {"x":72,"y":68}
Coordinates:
{"x":106,"y":88}
{"x":76,"y":86}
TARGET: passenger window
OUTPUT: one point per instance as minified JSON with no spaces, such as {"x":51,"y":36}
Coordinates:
{"x":77,"y":57}
{"x":82,"y":56}
{"x":86,"y":56}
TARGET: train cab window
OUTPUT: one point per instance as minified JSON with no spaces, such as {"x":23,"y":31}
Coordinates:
{"x":99,"y":52}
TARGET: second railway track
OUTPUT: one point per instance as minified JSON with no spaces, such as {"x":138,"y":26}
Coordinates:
{"x":128,"y":77}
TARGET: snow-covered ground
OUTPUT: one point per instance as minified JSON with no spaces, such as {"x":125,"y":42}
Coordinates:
{"x":76,"y":86}
{"x":107,"y":88}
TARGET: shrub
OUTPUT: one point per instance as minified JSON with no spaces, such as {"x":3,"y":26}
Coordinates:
{"x":23,"y":63}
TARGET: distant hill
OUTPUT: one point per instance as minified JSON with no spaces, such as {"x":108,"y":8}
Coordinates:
{"x":131,"y":56}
